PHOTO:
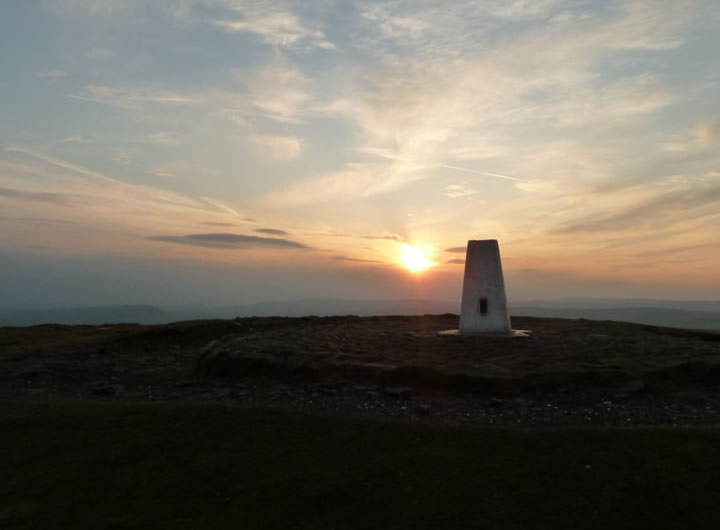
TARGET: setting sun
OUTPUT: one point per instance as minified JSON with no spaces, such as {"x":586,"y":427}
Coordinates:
{"x":416,"y":259}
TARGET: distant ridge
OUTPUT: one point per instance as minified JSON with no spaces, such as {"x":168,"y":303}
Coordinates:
{"x":680,"y":314}
{"x":656,"y":316}
{"x":141,"y":314}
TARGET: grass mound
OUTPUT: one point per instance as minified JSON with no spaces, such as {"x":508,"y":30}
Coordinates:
{"x":409,"y":351}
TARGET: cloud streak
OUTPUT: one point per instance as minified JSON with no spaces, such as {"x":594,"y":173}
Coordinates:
{"x":222,"y":240}
{"x":274,"y":25}
{"x":484,"y":173}
{"x":679,"y":204}
{"x":56,"y":198}
{"x":272,"y":231}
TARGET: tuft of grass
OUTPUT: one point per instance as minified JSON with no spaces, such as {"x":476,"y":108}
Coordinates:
{"x":120,"y":466}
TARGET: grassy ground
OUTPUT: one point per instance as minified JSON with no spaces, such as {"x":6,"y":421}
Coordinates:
{"x":111,"y":466}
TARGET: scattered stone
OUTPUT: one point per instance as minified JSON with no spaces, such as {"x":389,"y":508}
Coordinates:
{"x":209,"y":346}
{"x":399,"y":391}
{"x":103,"y":388}
{"x":496,"y":403}
{"x":424,"y":409}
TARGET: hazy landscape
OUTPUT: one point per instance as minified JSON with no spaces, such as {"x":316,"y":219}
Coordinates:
{"x":359,"y":264}
{"x":680,"y":314}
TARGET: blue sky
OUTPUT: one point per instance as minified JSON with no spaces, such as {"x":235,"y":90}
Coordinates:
{"x":318,"y":140}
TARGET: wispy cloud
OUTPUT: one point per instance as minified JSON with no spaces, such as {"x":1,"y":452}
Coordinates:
{"x":70,"y":192}
{"x":230,"y":241}
{"x":277,"y":147}
{"x":161,"y":172}
{"x":457,"y":191}
{"x":127,"y":97}
{"x":75,"y":140}
{"x":388,"y":237}
{"x":276,"y":90}
{"x":695,"y":203}
{"x":447,"y":94}
{"x":57,"y":198}
{"x":484,"y":173}
{"x":272,"y":231}
{"x":358,"y":260}
{"x":274,"y":24}
{"x":122,"y":157}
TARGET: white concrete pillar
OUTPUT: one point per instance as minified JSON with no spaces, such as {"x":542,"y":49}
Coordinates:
{"x":484,"y":307}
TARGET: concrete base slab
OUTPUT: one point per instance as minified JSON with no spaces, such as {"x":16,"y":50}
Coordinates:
{"x":513,"y":334}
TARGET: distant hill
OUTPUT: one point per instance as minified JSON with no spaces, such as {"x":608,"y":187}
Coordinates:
{"x":331,"y":307}
{"x":613,"y":303}
{"x":141,"y":314}
{"x":655,"y":316}
{"x":680,"y":314}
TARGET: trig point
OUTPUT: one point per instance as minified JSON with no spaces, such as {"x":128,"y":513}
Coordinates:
{"x":483,"y":310}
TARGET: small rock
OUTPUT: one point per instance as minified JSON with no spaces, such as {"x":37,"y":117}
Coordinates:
{"x":424,"y":409}
{"x":209,"y":346}
{"x":399,"y":391}
{"x":631,"y":387}
{"x":372,"y":394}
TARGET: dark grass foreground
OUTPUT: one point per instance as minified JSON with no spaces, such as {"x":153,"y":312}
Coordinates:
{"x":110,"y":466}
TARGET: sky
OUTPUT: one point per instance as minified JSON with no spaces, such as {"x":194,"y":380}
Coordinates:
{"x":235,"y":151}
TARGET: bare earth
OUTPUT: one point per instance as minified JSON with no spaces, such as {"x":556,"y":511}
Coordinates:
{"x":569,"y":372}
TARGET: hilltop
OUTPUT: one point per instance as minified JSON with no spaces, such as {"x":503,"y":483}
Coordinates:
{"x":350,"y":422}
{"x":568,"y":371}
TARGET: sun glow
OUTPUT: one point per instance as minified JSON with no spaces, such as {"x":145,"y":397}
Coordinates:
{"x":416,"y":259}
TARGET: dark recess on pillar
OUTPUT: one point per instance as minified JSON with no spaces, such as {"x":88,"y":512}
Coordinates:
{"x":483,"y":306}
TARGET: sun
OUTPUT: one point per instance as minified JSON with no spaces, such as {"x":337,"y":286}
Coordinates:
{"x":416,"y":259}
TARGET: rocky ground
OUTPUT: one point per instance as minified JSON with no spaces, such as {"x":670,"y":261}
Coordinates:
{"x":568,"y":372}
